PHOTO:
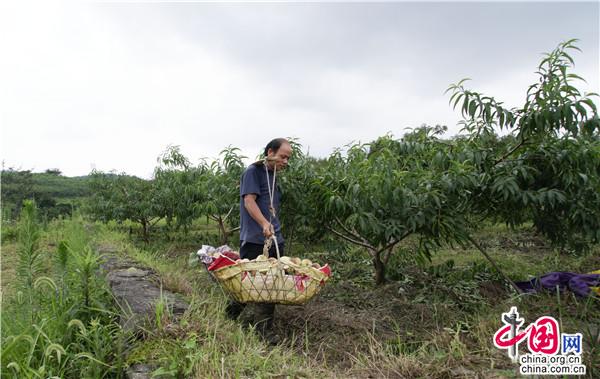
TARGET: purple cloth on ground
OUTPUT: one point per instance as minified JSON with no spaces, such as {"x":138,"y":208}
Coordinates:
{"x":579,"y":284}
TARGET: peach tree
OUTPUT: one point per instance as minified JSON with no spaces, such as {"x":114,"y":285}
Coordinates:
{"x":549,"y":171}
{"x":178,"y":185}
{"x":376,"y":195}
{"x":545,"y":169}
{"x":220,"y":185}
{"x":122,"y":197}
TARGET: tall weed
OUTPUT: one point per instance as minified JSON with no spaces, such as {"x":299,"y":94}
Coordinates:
{"x":61,"y":320}
{"x":29,"y":265}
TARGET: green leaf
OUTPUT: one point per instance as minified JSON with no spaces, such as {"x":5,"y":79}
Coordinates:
{"x":472,"y":108}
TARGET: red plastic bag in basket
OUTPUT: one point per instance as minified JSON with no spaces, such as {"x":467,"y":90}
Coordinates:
{"x":222,"y":260}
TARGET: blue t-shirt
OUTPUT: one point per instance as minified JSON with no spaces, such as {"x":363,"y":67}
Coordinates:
{"x":254,"y":181}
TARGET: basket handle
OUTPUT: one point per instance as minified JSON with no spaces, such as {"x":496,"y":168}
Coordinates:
{"x":267,"y":247}
{"x":268,"y":242}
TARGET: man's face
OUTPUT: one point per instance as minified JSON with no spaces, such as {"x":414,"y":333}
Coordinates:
{"x":281,"y":157}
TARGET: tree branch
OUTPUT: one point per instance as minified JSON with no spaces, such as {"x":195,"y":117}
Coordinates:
{"x":509,"y":280}
{"x":228,"y":213}
{"x":155,"y":222}
{"x":393,"y":243}
{"x":359,"y":243}
{"x":501,"y":159}
{"x":352,"y":232}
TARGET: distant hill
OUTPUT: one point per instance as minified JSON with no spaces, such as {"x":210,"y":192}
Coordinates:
{"x":61,"y":187}
{"x":54,"y":193}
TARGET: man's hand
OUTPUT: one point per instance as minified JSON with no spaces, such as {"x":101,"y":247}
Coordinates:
{"x":267,"y":229}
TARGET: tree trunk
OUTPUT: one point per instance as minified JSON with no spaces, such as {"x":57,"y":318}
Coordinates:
{"x":223,"y":232}
{"x":169,"y":228}
{"x":379,"y":268}
{"x":386,"y":257}
{"x":145,"y":230}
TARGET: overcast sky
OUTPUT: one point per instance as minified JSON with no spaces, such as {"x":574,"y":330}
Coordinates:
{"x":109,"y":85}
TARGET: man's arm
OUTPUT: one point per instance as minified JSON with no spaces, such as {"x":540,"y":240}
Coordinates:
{"x":256,"y":214}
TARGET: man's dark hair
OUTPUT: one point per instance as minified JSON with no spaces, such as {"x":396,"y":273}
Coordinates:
{"x":275,"y":145}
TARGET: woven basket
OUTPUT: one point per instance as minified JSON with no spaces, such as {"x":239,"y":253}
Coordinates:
{"x":269,"y":280}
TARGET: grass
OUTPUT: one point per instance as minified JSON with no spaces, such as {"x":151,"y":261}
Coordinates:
{"x":450,"y":337}
{"x":431,"y":320}
{"x":520,"y":253}
{"x":61,"y":321}
{"x":9,"y":264}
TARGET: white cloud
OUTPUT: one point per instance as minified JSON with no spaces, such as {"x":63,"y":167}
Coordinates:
{"x":82,"y":94}
{"x":109,"y":86}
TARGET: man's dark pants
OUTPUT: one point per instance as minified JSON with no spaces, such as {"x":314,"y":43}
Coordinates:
{"x":234,"y":309}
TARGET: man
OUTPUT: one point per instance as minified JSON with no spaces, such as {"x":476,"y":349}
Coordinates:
{"x":259,"y":220}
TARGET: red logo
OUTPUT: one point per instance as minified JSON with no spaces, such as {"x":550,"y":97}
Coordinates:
{"x":543,"y":335}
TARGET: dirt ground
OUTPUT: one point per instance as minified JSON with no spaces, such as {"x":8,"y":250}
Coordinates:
{"x":345,"y":319}
{"x":424,"y":314}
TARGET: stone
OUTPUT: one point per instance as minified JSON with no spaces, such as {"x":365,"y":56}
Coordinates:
{"x":137,"y":290}
{"x":140,"y":371}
